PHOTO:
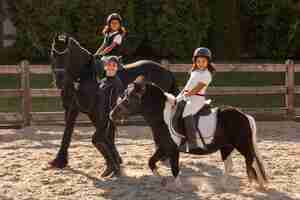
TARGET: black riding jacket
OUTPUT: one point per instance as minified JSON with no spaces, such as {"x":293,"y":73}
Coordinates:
{"x":112,"y":88}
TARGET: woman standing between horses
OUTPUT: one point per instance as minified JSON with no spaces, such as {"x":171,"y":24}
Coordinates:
{"x":193,"y":93}
{"x":111,"y":84}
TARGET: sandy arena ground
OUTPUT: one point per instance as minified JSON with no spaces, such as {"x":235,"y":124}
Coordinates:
{"x":24,"y":155}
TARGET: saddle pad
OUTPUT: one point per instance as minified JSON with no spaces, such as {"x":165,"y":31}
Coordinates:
{"x":206,"y":125}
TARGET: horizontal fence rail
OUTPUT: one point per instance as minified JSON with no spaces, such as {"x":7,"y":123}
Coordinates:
{"x":26,"y":117}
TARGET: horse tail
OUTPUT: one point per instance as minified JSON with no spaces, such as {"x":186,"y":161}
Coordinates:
{"x":257,"y":163}
{"x":174,"y":89}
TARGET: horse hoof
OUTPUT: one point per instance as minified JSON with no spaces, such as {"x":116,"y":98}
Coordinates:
{"x":116,"y":174}
{"x":107,"y":172}
{"x":57,"y":164}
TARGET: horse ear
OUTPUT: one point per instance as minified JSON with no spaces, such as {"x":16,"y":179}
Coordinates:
{"x":140,"y":81}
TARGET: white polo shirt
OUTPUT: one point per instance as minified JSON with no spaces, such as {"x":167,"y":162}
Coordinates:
{"x":197,"y":76}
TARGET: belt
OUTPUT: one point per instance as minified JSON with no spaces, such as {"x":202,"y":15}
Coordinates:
{"x":198,"y":94}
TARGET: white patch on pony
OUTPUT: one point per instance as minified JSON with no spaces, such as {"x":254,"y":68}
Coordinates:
{"x":228,"y":164}
{"x":206,"y":124}
{"x":227,"y":170}
{"x":258,"y":170}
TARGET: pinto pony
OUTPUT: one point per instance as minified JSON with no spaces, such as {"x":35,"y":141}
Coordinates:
{"x":234,"y":130}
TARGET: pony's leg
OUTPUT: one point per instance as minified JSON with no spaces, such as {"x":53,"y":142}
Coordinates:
{"x":102,"y":144}
{"x":177,"y":184}
{"x":174,"y":162}
{"x":153,"y":160}
{"x":61,"y":159}
{"x":255,"y":170}
{"x":227,"y":159}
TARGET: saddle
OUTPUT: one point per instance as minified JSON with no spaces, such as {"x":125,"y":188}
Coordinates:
{"x":177,"y":119}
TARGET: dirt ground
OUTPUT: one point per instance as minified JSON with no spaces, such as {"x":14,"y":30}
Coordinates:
{"x":24,"y":155}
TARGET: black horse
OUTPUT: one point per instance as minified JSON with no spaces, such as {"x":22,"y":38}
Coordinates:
{"x":80,"y":93}
{"x":235,"y":130}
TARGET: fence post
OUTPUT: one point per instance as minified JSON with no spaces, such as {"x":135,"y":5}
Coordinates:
{"x":26,"y":98}
{"x":290,"y":85}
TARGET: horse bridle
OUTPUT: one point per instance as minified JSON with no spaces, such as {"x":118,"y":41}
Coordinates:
{"x":59,"y":53}
{"x":53,"y":49}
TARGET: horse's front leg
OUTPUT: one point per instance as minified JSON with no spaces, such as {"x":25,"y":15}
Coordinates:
{"x":61,"y":159}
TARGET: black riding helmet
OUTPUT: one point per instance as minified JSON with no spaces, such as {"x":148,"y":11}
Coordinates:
{"x":113,"y":16}
{"x":204,"y":52}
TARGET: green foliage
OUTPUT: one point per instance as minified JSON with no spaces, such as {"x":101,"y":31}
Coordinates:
{"x":166,"y":28}
{"x":159,"y":28}
{"x":37,"y":21}
{"x":277,"y":30}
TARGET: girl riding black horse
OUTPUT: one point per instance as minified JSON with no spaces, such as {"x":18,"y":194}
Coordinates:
{"x":114,"y":34}
{"x":80,"y":93}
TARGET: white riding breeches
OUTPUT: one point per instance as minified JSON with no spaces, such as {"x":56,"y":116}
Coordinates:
{"x":193,"y":105}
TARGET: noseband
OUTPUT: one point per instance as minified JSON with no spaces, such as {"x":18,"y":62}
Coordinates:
{"x":53,"y":49}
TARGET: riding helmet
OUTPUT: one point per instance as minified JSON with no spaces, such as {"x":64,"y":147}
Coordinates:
{"x":107,"y":59}
{"x":113,"y":16}
{"x":202,"y":51}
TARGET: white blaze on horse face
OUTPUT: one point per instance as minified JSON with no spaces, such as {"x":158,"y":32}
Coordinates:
{"x":62,"y":38}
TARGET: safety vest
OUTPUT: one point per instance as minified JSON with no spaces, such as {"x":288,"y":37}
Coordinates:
{"x":108,"y":40}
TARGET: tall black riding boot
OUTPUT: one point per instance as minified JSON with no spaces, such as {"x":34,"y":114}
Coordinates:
{"x":190,"y":131}
{"x":111,"y":164}
{"x":177,"y":115}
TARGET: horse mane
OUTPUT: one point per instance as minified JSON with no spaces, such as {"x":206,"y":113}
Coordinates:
{"x":152,"y":88}
{"x":140,"y":63}
{"x":143,"y":67}
{"x":79,"y":45}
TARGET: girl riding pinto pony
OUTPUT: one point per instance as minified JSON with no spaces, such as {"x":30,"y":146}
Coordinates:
{"x":193,"y":93}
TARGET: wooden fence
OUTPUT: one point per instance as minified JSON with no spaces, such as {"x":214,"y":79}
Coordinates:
{"x":26,"y":117}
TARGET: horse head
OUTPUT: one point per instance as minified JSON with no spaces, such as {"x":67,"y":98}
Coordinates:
{"x":139,"y":96}
{"x":131,"y":100}
{"x":58,"y":57}
{"x":68,"y":58}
